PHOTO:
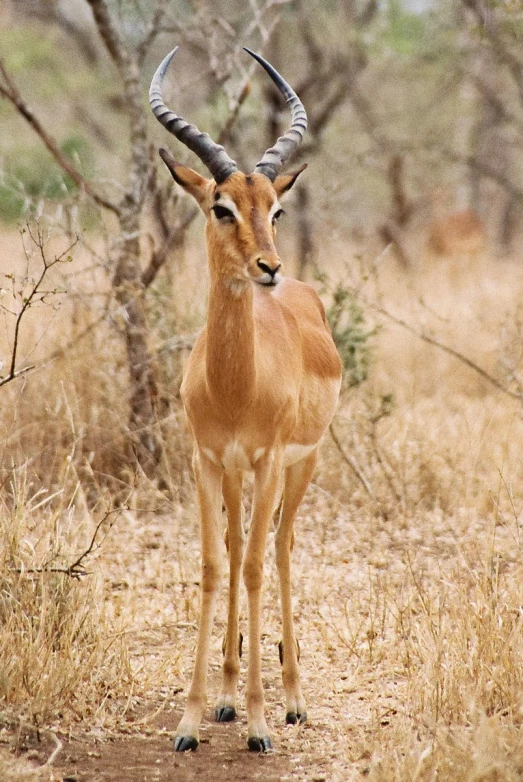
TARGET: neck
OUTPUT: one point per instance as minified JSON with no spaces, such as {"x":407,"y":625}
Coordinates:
{"x":231,"y":373}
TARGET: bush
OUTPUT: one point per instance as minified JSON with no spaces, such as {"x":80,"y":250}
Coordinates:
{"x":34,"y":176}
{"x":350,"y":334}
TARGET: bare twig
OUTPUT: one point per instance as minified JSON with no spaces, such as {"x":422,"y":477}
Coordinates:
{"x":108,"y":31}
{"x":174,"y":239}
{"x":57,"y":749}
{"x":17,"y":722}
{"x":485,"y":169}
{"x":383,"y":461}
{"x":10,"y":91}
{"x":75,"y":569}
{"x":485,"y":14}
{"x":175,"y":344}
{"x":234,"y":110}
{"x":447,"y":349}
{"x":34,"y":296}
{"x":358,"y":472}
{"x":153,"y":30}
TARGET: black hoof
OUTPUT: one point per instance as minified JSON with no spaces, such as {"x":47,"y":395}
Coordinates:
{"x":185,"y":743}
{"x":291,"y":718}
{"x":259,"y":745}
{"x":225,"y":714}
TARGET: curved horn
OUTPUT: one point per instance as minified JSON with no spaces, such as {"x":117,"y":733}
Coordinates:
{"x":211,"y":154}
{"x":275,"y":158}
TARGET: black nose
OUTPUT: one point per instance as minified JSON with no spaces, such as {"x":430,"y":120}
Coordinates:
{"x":266,"y":268}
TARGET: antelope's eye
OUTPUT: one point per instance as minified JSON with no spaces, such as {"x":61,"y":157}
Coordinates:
{"x":222,"y":213}
{"x":277,"y":215}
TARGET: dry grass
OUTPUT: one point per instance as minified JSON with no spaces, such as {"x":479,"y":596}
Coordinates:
{"x":60,"y":655}
{"x":408,"y":602}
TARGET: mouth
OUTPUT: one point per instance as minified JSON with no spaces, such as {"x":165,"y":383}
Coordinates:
{"x":267,"y":281}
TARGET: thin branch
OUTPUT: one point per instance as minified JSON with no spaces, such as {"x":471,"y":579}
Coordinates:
{"x":31,"y":299}
{"x":175,"y":344}
{"x":446,"y":349}
{"x":174,"y":239}
{"x":14,"y":375}
{"x":153,"y":31}
{"x":234,"y":111}
{"x":494,"y":98}
{"x":56,"y":751}
{"x":17,"y":722}
{"x":62,"y":351}
{"x":490,"y":28}
{"x":382,"y":460}
{"x":358,"y":472}
{"x":76,"y":569}
{"x":486,"y":170}
{"x":108,"y":32}
{"x":10,"y":92}
{"x":370,"y":121}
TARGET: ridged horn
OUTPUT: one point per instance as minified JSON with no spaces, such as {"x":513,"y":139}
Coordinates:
{"x":212,"y":155}
{"x":275,"y":157}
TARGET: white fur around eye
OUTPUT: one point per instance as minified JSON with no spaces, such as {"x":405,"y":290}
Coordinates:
{"x":229,"y":204}
{"x":276,"y":207}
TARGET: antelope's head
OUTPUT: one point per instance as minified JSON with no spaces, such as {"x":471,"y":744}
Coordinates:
{"x":241,"y":210}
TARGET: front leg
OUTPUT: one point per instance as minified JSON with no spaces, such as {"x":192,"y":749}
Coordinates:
{"x":209,"y":487}
{"x":232,"y":497}
{"x":266,"y":482}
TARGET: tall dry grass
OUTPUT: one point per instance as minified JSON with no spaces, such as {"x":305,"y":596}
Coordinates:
{"x":60,"y":655}
{"x":407,"y":563}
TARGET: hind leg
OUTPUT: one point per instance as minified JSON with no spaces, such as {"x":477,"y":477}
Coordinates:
{"x":297,"y":478}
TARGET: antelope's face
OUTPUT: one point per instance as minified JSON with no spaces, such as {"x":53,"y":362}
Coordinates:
{"x":241,"y":222}
{"x":241,"y":215}
{"x":241,"y":210}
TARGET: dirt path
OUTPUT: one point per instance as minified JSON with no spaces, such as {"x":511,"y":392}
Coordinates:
{"x":222,"y":754}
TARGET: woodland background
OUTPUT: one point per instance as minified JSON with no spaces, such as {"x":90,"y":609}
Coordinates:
{"x":409,"y":223}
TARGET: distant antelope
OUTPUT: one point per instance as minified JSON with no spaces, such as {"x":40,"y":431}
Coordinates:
{"x":259,"y":389}
{"x":454,"y":233}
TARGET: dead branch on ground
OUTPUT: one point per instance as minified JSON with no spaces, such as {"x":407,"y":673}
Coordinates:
{"x":22,"y":725}
{"x":76,"y":569}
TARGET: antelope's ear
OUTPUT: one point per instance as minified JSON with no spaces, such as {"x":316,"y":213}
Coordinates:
{"x":192,"y":182}
{"x":284,"y":182}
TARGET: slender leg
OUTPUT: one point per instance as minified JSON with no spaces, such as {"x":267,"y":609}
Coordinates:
{"x":265,"y":492}
{"x":209,"y":487}
{"x":297,"y":478}
{"x":232,"y":495}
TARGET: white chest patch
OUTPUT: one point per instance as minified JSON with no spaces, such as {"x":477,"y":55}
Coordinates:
{"x":235,"y":458}
{"x":295,"y":453}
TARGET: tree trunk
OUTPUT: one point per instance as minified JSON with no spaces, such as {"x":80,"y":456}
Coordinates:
{"x":128,"y":291}
{"x":305,"y":242}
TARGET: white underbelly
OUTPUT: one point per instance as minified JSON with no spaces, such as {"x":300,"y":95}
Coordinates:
{"x":295,"y":453}
{"x":235,"y":457}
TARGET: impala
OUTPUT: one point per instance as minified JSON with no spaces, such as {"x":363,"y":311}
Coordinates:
{"x":259,"y":390}
{"x":454,"y":233}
